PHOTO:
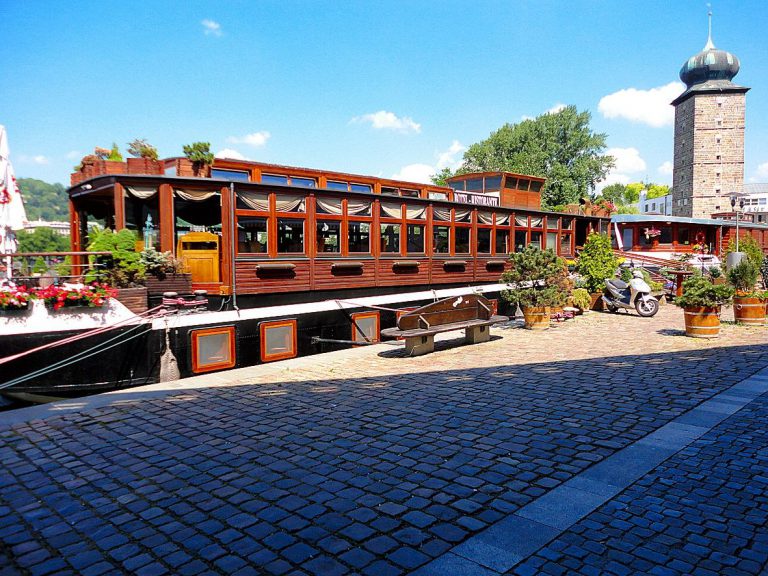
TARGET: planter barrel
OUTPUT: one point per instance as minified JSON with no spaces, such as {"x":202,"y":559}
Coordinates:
{"x":179,"y":283}
{"x":749,"y":311}
{"x":135,"y":299}
{"x":536,"y":317}
{"x":702,"y":321}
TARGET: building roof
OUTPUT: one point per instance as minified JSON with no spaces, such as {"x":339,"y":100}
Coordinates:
{"x":756,"y":188}
{"x":639,"y":218}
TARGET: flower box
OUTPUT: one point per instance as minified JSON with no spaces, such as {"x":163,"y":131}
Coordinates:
{"x":179,"y":283}
{"x":144,"y":166}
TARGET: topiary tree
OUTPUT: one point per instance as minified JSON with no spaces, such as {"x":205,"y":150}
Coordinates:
{"x":114,"y":154}
{"x":140,"y":148}
{"x":743,"y":277}
{"x":698,"y":290}
{"x":597,"y":262}
{"x":750,"y":247}
{"x":199,"y":153}
{"x":123,"y":269}
{"x":540,"y":277}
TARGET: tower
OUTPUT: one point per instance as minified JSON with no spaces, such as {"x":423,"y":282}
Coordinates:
{"x":709,"y":134}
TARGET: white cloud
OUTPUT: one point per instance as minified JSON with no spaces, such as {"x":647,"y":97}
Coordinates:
{"x":40,"y":160}
{"x":230,"y":153}
{"x":450,"y":158}
{"x":665,"y":168}
{"x":650,"y":107}
{"x":416,"y":173}
{"x":256,"y":139}
{"x":383,"y":120}
{"x":628,"y":162}
{"x":556,"y":108}
{"x":211,"y":27}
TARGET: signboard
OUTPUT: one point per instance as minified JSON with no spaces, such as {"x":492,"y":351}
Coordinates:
{"x":476,"y":199}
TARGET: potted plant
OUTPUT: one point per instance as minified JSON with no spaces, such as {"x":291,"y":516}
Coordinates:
{"x":581,"y":299}
{"x":94,"y":295}
{"x":701,"y":302}
{"x":144,"y":158}
{"x":14,"y":299}
{"x":165,"y":273}
{"x":748,"y":306}
{"x":199,"y":153}
{"x":596,"y":264}
{"x":538,"y":276}
{"x":122,"y":269}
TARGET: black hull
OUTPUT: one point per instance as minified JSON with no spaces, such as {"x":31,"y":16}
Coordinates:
{"x":106,"y":367}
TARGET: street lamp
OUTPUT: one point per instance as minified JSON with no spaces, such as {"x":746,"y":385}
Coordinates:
{"x":741,"y":207}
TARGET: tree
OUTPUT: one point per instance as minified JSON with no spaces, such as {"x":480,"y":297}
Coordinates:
{"x":657,"y":191}
{"x":441,"y":178}
{"x":44,"y":201}
{"x":558,"y":146}
{"x":615,"y":193}
{"x":632,"y":193}
{"x":42,"y":240}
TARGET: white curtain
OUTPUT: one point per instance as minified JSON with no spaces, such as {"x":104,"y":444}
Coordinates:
{"x":358,"y":207}
{"x":290,"y":202}
{"x":141,"y":192}
{"x":502,"y":219}
{"x":254,"y":200}
{"x":443,"y":214}
{"x":415,"y":212}
{"x":463,"y":215}
{"x":521,"y":220}
{"x":485,"y":217}
{"x":329,"y":205}
{"x":391,"y":210}
{"x":195,"y":195}
{"x":536,"y":222}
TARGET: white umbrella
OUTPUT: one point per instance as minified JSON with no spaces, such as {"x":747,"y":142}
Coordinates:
{"x":12,"y":214}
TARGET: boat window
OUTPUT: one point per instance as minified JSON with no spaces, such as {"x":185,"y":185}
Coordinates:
{"x":252,"y":235}
{"x":666,"y":235}
{"x":521,"y":239}
{"x":536,"y":222}
{"x":290,"y":203}
{"x":441,"y":239}
{"x":213,"y":349}
{"x":437,"y":195}
{"x":415,"y":212}
{"x":502,"y":241}
{"x":683,"y":236}
{"x":484,"y":240}
{"x":567,"y":223}
{"x":335,"y":185}
{"x":415,"y":238}
{"x":274,"y":179}
{"x":535,"y":239}
{"x":474,"y":185}
{"x":521,"y":220}
{"x":365,"y":327}
{"x":278,"y":340}
{"x":247,"y":200}
{"x":290,"y":236}
{"x":237,"y":175}
{"x":410,"y":193}
{"x":459,"y":185}
{"x":360,"y":188}
{"x":442,"y":214}
{"x":484,"y":217}
{"x":462,"y":215}
{"x":552,"y":240}
{"x":143,"y":217}
{"x":462,"y":240}
{"x":390,"y":210}
{"x":327,"y":237}
{"x":390,"y":238}
{"x":492,"y":183}
{"x":565,"y":245}
{"x":522,"y":184}
{"x":358,"y":207}
{"x":552,"y":222}
{"x":303,"y":182}
{"x":328,"y":205}
{"x":389,"y":191}
{"x":510,"y":182}
{"x":359,"y":237}
{"x":198,"y":211}
{"x":536,"y":185}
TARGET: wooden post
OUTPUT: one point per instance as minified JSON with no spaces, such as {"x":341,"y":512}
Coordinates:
{"x":227,"y":225}
{"x":119,"y":206}
{"x":165,"y":205}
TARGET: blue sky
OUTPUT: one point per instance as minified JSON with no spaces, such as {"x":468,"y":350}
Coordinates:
{"x":384,"y":88}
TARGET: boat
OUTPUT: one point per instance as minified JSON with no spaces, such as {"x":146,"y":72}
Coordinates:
{"x":289,"y":262}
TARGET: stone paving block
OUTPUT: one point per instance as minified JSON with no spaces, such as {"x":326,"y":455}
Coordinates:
{"x":562,"y":507}
{"x":455,"y":566}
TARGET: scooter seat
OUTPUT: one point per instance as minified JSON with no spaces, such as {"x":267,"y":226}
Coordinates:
{"x":620,"y":284}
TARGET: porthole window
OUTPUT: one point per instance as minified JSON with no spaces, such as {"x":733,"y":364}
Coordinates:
{"x":365,"y":327}
{"x":213,"y":349}
{"x":278,"y":340}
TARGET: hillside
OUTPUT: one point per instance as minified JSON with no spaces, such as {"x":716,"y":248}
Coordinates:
{"x":44,"y":200}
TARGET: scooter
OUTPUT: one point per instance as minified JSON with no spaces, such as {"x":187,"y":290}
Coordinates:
{"x":636,"y":294}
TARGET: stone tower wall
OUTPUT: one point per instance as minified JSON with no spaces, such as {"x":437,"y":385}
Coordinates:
{"x":708,"y":154}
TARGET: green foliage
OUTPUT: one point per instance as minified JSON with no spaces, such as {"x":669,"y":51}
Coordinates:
{"x":161,"y":264}
{"x":39,"y":267}
{"x":124,"y":268}
{"x":44,"y":201}
{"x":749,"y":246}
{"x":743,"y":276}
{"x":657,"y":191}
{"x":42,"y":240}
{"x":540,"y":278}
{"x":441,"y":178}
{"x":140,"y":148}
{"x":597,"y":262}
{"x":581,"y":298}
{"x":64,"y":268}
{"x":614,"y":193}
{"x":698,"y":290}
{"x":558,"y":146}
{"x":199,"y":153}
{"x":114,"y":154}
{"x":627,"y":209}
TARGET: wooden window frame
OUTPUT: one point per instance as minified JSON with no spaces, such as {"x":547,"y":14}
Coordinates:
{"x":354,"y":317}
{"x":264,"y":326}
{"x":196,"y":334}
{"x":490,"y":240}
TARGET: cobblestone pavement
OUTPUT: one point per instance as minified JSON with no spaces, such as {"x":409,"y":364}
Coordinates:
{"x":364,"y":461}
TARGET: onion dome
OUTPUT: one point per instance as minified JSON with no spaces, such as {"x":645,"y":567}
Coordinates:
{"x":709,"y":65}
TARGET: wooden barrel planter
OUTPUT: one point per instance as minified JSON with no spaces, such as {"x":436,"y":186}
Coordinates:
{"x":749,"y":311}
{"x":536,"y":317}
{"x":702,"y":321}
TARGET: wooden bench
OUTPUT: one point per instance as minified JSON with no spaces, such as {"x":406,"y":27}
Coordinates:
{"x":472,"y":313}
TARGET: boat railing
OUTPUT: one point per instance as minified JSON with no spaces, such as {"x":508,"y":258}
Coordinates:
{"x":41,"y":269}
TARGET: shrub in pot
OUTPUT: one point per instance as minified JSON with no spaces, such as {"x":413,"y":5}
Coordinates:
{"x":122,"y":270}
{"x":199,"y":153}
{"x":748,"y":307}
{"x":597,"y":263}
{"x":540,"y":279}
{"x":701,"y":302}
{"x":165,"y":273}
{"x":581,"y":299}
